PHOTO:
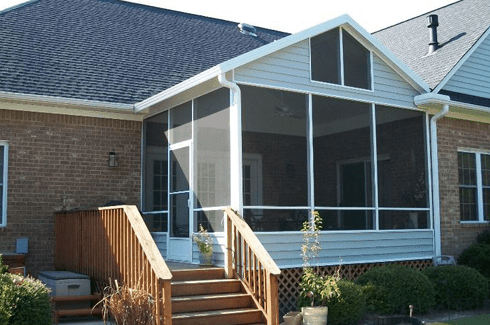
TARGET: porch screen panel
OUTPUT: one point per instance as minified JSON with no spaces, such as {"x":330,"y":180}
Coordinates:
{"x":212,"y":156}
{"x":181,"y":123}
{"x":155,"y":172}
{"x":402,"y":169}
{"x":275,"y":219}
{"x":343,"y":163}
{"x":274,"y":148}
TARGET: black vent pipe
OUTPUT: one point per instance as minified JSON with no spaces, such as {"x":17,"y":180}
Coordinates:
{"x":432,"y":23}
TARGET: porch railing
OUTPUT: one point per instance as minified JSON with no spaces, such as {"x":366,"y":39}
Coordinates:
{"x":248,"y":260}
{"x":114,"y":243}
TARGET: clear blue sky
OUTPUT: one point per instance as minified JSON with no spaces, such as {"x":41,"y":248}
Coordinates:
{"x":297,"y":15}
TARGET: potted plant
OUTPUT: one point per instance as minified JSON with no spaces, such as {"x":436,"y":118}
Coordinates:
{"x":205,"y":244}
{"x":316,"y":289}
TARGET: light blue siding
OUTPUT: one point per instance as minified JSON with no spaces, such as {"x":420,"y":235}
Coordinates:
{"x":352,"y":247}
{"x":161,"y":241}
{"x":337,"y":247}
{"x":473,"y":77}
{"x":290,"y":69}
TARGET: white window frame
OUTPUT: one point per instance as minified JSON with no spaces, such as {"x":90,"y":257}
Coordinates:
{"x":3,"y":220}
{"x":479,"y":184}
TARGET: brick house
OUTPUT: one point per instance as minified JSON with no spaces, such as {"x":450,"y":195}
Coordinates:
{"x":195,"y":114}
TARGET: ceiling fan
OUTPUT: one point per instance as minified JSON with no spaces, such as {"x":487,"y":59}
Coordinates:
{"x":284,"y":110}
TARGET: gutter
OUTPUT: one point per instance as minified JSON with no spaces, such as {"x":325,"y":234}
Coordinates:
{"x":235,"y":143}
{"x":66,"y":101}
{"x":443,"y":100}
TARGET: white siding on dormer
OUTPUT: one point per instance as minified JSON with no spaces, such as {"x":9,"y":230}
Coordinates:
{"x":290,"y":69}
{"x":473,"y":77}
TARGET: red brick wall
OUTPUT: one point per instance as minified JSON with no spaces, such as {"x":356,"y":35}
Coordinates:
{"x":61,"y":162}
{"x":453,"y":134}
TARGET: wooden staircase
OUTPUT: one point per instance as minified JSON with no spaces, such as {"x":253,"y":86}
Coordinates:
{"x":207,"y":297}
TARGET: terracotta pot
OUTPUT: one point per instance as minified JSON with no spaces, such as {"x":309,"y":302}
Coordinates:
{"x":314,"y":315}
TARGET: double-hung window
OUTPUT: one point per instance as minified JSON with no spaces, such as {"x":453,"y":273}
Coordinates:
{"x":474,"y":186}
{"x":3,"y":183}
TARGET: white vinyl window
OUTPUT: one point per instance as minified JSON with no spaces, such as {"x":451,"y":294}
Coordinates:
{"x":474,"y":186}
{"x":3,"y":183}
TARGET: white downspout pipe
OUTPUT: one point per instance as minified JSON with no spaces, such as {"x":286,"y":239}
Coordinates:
{"x":235,"y":152}
{"x":235,"y":143}
{"x":444,"y":100}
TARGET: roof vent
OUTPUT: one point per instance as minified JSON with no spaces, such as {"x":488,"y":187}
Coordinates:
{"x":432,"y":23}
{"x":247,"y":29}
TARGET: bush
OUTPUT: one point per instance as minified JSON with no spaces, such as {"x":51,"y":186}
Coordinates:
{"x":477,"y":256}
{"x":458,"y":287}
{"x":349,"y":306}
{"x":483,"y":238}
{"x":24,"y":301}
{"x":128,"y":306}
{"x":3,"y":268}
{"x":392,"y":288}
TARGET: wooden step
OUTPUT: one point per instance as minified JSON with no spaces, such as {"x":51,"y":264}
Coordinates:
{"x":219,"y":317}
{"x":198,"y":274}
{"x":79,"y":312}
{"x":210,"y":302}
{"x":202,"y":287}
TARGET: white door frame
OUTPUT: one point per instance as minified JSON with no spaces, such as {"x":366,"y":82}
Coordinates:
{"x":180,"y":248}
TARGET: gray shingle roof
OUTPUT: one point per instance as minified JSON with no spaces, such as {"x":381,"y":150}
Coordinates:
{"x":461,"y":24}
{"x":111,"y":50}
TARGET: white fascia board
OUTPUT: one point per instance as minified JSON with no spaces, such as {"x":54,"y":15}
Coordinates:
{"x":462,"y":61}
{"x":65,"y":101}
{"x":280,"y":44}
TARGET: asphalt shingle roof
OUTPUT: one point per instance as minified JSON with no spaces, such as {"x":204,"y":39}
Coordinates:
{"x":461,"y":25}
{"x":111,"y":50}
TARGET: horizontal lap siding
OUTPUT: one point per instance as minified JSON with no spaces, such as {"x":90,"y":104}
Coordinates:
{"x":161,"y":241}
{"x":473,"y":77}
{"x":345,"y":248}
{"x":351,"y":248}
{"x":290,"y":68}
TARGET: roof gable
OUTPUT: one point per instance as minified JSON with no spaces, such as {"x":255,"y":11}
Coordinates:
{"x":345,"y":21}
{"x":461,"y":25}
{"x":111,"y":50}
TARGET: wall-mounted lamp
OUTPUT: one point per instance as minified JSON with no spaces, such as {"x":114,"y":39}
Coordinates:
{"x":113,"y":159}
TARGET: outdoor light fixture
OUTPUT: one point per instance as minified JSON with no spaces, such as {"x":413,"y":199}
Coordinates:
{"x":113,"y":159}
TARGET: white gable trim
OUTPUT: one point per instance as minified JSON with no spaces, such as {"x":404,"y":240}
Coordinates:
{"x":345,"y":21}
{"x":462,"y":61}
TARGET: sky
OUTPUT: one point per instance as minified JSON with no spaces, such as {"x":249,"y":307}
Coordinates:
{"x":299,"y":15}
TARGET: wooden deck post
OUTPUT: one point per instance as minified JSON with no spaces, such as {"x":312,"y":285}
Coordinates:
{"x":272,"y":300}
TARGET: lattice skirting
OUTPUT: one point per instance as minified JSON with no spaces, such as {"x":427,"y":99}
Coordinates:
{"x":290,"y":278}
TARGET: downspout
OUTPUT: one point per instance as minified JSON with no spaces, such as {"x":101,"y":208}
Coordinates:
{"x":444,"y":101}
{"x":235,"y":143}
{"x":235,"y":155}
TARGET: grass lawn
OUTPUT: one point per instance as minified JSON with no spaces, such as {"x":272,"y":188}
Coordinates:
{"x":475,"y":320}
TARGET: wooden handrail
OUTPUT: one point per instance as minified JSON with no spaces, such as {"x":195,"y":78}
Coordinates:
{"x":114,"y":243}
{"x":248,"y":260}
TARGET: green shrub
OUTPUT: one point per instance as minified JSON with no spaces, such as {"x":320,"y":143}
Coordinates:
{"x":349,"y":306}
{"x":6,"y":292}
{"x":3,"y":268}
{"x":458,"y":287}
{"x":477,"y":256}
{"x":317,"y":290}
{"x":24,"y":301}
{"x":483,"y":238}
{"x":392,"y":288}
